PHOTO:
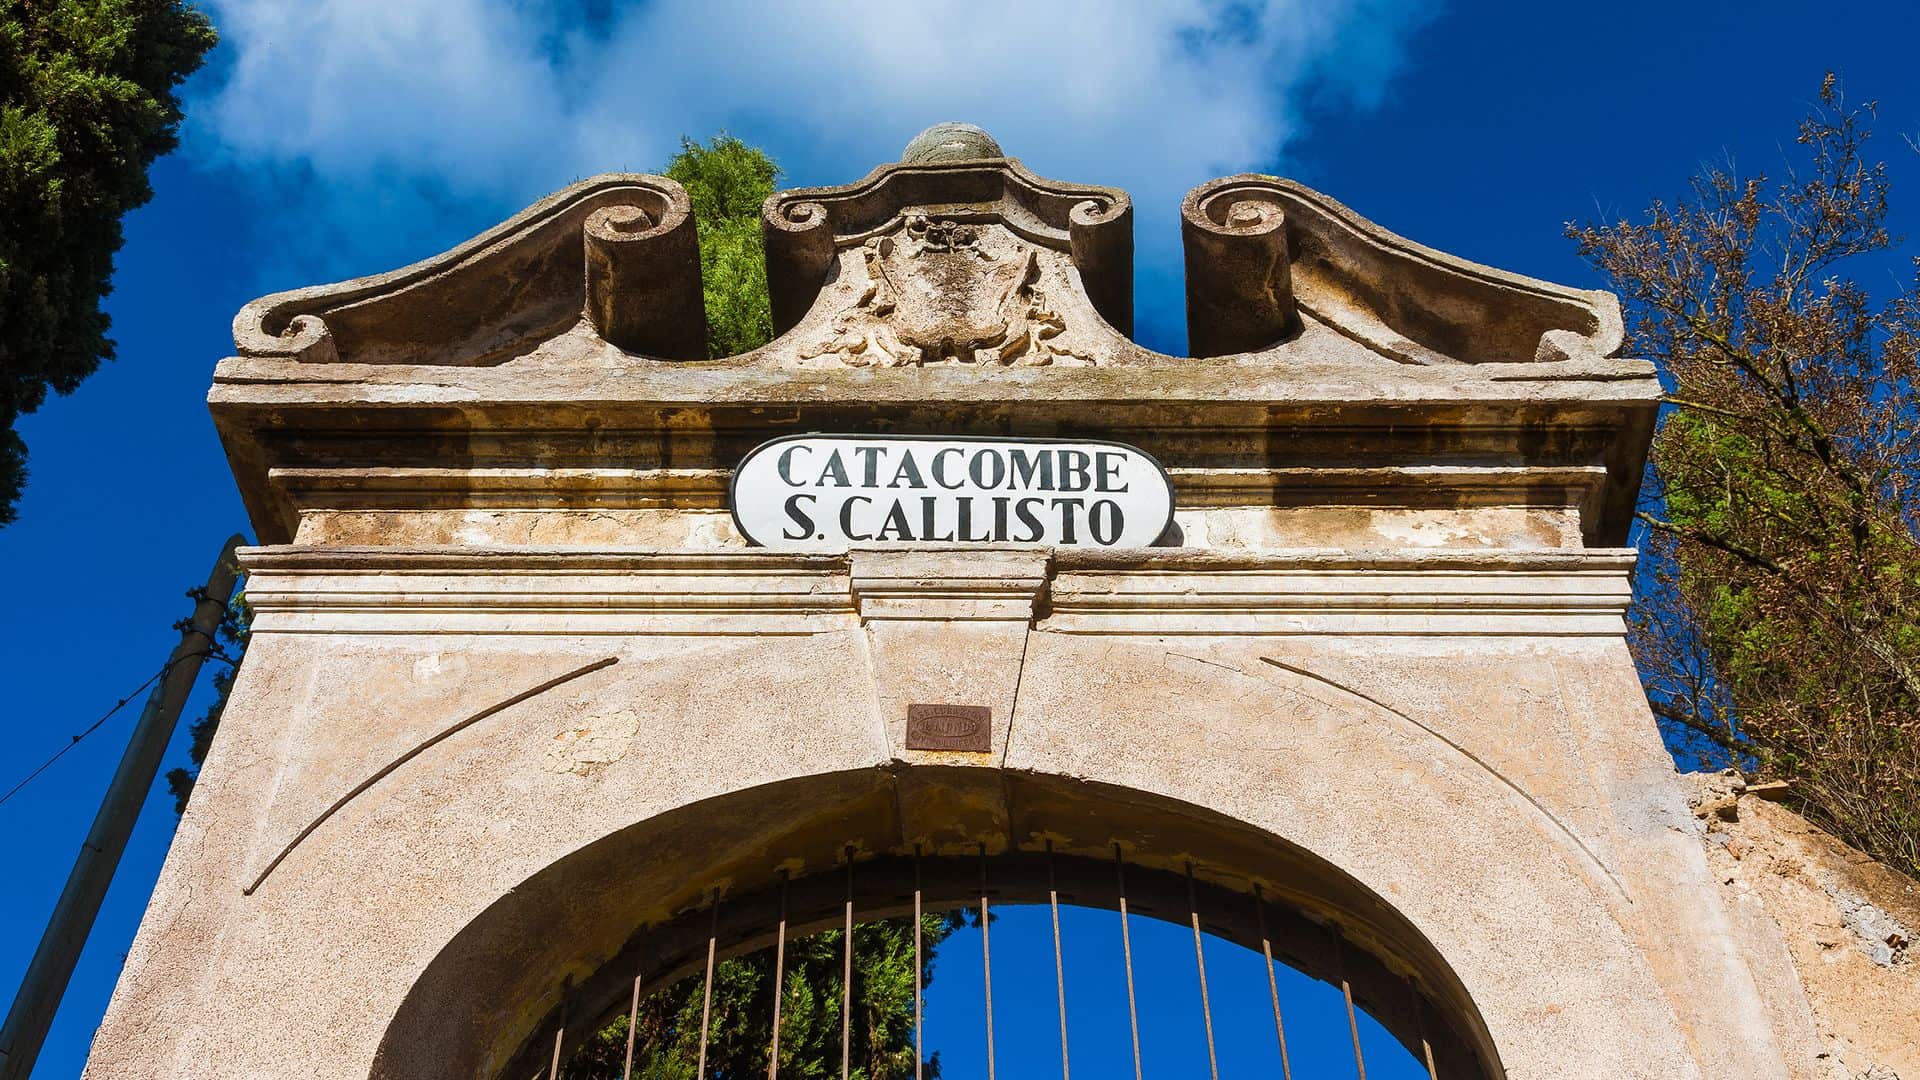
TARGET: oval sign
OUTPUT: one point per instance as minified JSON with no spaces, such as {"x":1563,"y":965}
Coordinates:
{"x":832,"y":492}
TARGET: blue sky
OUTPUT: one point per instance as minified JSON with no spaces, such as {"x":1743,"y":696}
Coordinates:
{"x":1172,"y":1032}
{"x":334,"y":138}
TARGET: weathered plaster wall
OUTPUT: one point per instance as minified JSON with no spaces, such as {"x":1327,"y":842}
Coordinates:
{"x":1492,"y":774}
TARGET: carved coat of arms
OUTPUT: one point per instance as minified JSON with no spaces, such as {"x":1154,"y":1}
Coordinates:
{"x":941,"y":289}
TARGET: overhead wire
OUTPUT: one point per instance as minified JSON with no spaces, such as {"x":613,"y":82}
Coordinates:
{"x":104,"y":717}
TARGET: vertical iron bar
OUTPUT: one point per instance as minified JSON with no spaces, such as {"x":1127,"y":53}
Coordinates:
{"x":1420,"y":1025}
{"x":919,"y":1050}
{"x":986,"y":958}
{"x":560,"y":1029}
{"x":633,"y":1023}
{"x":1126,"y":953}
{"x":846,"y":980}
{"x":706,"y":1003}
{"x":1200,"y":961}
{"x":1273,"y":986}
{"x":1346,"y":991}
{"x":1059,"y":963}
{"x":779,"y":980}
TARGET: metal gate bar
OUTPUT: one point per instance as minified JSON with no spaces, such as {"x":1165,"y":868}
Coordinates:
{"x":1420,"y":1026}
{"x":846,"y":979}
{"x":1059,"y":963}
{"x":560,"y":1029}
{"x":633,"y":1025}
{"x":1273,"y":985}
{"x":1346,"y":992}
{"x":1126,"y":954}
{"x":885,"y":886}
{"x":779,"y":981}
{"x":986,"y":958}
{"x":706,"y":995}
{"x":1200,"y":962}
{"x":919,"y":1048}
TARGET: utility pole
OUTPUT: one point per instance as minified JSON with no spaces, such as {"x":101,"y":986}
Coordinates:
{"x":46,"y":979}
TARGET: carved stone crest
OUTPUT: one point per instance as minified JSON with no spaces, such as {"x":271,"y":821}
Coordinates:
{"x":946,"y":289}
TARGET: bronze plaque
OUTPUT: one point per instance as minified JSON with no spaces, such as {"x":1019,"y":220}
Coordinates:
{"x":950,"y":727}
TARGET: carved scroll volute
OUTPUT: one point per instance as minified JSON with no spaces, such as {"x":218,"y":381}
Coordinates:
{"x":1101,"y":234}
{"x":643,"y":290}
{"x":1239,"y":276}
{"x":798,"y":237}
{"x":260,"y":331}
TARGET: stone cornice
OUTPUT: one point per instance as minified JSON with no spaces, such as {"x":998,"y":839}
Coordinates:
{"x":561,"y":487}
{"x":554,"y":362}
{"x":569,"y":592}
{"x":532,"y":436}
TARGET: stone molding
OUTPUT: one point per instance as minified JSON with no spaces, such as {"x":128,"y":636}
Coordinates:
{"x":531,"y":591}
{"x":921,"y":584}
{"x":1480,"y":595}
{"x":425,"y":487}
{"x":413,"y":488}
{"x":481,"y":591}
{"x":667,"y":437}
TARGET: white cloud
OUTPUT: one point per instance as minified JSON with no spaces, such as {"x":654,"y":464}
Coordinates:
{"x":354,"y":88}
{"x":385,"y":109}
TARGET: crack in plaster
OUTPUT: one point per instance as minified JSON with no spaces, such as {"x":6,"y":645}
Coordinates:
{"x":1592,"y":859}
{"x":416,"y":752}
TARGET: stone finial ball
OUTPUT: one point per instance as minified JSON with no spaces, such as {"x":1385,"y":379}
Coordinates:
{"x":950,"y":141}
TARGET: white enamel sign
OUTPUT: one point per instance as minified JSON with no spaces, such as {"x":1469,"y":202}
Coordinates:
{"x":833,"y":492}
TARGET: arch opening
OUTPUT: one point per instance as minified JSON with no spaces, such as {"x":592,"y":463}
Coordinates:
{"x":716,"y":875}
{"x":672,"y":961}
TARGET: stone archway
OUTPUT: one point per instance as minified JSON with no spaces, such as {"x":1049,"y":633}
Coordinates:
{"x":519,"y":685}
{"x":460,"y":1015}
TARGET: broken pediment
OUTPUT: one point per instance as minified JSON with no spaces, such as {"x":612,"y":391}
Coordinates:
{"x":954,"y":256}
{"x":557,"y":362}
{"x":1266,"y":257}
{"x":619,"y":249}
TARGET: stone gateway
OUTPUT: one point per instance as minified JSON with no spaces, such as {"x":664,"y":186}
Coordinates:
{"x":580,"y":658}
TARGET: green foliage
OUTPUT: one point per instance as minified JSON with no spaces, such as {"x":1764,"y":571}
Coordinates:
{"x":667,"y":1045}
{"x":230,"y":645}
{"x":727,"y":181}
{"x":1781,"y":625}
{"x":87,"y":103}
